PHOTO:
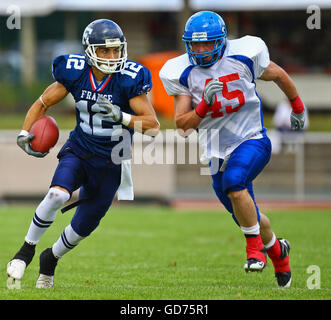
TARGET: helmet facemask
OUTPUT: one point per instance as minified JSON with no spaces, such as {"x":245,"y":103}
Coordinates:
{"x":107,"y":65}
{"x":201,"y":58}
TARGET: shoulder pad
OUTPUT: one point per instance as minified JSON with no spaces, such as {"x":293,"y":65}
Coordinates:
{"x":133,"y":70}
{"x":173,"y":68}
{"x":252,"y":51}
{"x":248,"y":46}
{"x":174,"y":75}
{"x":136,"y":78}
{"x":67,"y":69}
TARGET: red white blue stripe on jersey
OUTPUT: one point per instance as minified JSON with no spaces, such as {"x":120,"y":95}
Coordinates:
{"x":98,"y":87}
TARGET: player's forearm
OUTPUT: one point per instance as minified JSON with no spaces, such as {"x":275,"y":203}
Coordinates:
{"x":36,"y":111}
{"x":146,"y":124}
{"x":185,"y":117}
{"x":278,"y":75}
{"x":189,"y":120}
{"x":52,"y":95}
{"x":145,"y":121}
{"x":286,"y":84}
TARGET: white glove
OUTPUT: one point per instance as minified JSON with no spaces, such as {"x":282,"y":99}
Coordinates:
{"x":113,"y":111}
{"x":297,"y":120}
{"x":211,"y":89}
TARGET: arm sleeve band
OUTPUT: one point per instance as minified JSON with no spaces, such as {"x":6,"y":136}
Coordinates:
{"x":202,"y":109}
{"x":297,"y":105}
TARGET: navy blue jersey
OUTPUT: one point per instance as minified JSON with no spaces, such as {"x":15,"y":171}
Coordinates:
{"x":93,"y":131}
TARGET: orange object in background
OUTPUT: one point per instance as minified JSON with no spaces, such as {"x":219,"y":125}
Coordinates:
{"x":162,"y":103}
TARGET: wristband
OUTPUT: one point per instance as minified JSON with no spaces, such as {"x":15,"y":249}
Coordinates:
{"x":126,"y":118}
{"x":24,"y":133}
{"x":202,"y":108}
{"x":297,"y":105}
{"x":42,"y":101}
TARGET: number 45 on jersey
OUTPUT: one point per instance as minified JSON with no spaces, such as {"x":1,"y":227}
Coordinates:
{"x":217,"y":107}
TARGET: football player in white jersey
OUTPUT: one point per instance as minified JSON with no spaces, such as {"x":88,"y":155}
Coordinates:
{"x":213,"y":85}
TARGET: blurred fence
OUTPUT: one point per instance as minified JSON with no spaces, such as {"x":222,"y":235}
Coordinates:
{"x":300,"y":170}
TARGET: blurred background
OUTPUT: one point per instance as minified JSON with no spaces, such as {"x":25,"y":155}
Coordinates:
{"x":298,"y":37}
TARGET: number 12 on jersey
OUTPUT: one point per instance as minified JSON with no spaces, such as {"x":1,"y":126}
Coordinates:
{"x":216,"y":107}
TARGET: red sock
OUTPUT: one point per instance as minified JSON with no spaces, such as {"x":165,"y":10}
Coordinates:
{"x":280,"y":265}
{"x":254,"y":248}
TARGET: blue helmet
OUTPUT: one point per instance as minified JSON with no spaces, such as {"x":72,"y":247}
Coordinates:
{"x":104,"y":33}
{"x":205,"y":26}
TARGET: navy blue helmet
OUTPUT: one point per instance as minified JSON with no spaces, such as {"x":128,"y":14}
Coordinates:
{"x":205,"y":26}
{"x":104,"y":33}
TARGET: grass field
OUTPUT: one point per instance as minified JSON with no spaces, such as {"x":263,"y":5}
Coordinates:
{"x":159,"y":253}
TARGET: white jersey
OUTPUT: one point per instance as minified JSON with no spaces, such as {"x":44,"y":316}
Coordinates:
{"x":237,"y":112}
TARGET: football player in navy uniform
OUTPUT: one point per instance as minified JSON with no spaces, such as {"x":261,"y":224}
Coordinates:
{"x":111,"y":100}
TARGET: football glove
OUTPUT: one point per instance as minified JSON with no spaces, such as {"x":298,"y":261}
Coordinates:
{"x":297,"y":120}
{"x":113,"y":111}
{"x":23,"y":141}
{"x":211,"y":89}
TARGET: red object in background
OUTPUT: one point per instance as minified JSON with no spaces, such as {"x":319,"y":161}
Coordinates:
{"x":46,"y":134}
{"x":162,"y":103}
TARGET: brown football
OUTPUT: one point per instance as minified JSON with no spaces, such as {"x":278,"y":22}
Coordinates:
{"x":46,"y":134}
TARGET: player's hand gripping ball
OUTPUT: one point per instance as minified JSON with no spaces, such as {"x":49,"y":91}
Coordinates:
{"x":46,"y":134}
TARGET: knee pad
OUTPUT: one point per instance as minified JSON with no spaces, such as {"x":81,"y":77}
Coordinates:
{"x":56,"y":198}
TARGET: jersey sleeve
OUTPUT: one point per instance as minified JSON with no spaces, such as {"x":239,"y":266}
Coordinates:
{"x":261,"y":56}
{"x":138,"y":80}
{"x":67,"y":70}
{"x":171,"y":75}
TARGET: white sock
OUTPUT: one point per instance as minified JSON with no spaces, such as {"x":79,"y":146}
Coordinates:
{"x":271,"y":242}
{"x":67,"y":241}
{"x":252,"y":231}
{"x":45,"y":214}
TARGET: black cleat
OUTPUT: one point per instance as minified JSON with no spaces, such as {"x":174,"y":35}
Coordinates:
{"x":284,"y":278}
{"x":284,"y":247}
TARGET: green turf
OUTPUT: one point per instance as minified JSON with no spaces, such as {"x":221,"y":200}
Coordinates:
{"x":146,"y":253}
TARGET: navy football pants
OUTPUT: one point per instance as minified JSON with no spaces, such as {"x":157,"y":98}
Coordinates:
{"x":72,"y":173}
